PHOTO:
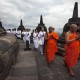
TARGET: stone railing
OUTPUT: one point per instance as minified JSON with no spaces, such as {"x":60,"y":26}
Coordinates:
{"x":3,"y":33}
{"x":61,"y":44}
{"x":8,"y":52}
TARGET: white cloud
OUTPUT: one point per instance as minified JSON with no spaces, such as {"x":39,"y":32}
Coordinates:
{"x":55,"y":12}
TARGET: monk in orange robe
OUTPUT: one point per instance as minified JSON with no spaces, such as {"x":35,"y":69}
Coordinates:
{"x":71,"y":48}
{"x":79,"y":49}
{"x":78,"y":33}
{"x":51,"y":46}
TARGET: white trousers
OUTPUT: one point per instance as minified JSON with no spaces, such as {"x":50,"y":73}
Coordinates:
{"x":36,"y":43}
{"x":41,"y":49}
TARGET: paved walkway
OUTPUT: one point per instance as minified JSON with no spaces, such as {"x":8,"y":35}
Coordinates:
{"x":57,"y":71}
{"x":25,"y":67}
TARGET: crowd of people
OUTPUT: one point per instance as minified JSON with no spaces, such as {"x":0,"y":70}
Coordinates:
{"x":24,"y":35}
{"x":46,"y":43}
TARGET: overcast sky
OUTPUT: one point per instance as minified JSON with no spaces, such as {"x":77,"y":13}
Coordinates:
{"x":55,"y":12}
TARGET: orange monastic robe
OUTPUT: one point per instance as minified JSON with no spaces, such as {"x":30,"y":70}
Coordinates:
{"x":51,"y":46}
{"x":72,"y":52}
{"x":79,"y":48}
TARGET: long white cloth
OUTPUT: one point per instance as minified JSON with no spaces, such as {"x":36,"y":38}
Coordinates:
{"x":35,"y":39}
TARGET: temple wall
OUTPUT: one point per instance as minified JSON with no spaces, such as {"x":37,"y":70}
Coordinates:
{"x":8,"y":52}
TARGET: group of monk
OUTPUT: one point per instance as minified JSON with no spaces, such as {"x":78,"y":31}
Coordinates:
{"x":72,"y":47}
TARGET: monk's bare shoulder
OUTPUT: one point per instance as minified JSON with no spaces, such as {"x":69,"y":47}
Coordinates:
{"x":67,"y":33}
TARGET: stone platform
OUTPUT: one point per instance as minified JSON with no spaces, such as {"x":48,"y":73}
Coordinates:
{"x":25,"y":67}
{"x":58,"y":70}
{"x":31,"y":65}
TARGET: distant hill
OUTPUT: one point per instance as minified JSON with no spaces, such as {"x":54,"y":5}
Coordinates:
{"x":11,"y":26}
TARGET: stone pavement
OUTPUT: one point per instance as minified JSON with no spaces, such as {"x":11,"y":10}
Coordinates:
{"x":31,"y":65}
{"x":57,"y":71}
{"x":25,"y":67}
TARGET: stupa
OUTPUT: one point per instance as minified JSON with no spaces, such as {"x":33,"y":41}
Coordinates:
{"x":1,"y":27}
{"x":74,"y":20}
{"x":41,"y":24}
{"x":21,"y":27}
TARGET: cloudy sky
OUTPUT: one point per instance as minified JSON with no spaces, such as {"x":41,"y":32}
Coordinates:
{"x":55,"y":12}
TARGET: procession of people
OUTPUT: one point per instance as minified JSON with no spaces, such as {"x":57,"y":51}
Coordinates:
{"x":46,"y":43}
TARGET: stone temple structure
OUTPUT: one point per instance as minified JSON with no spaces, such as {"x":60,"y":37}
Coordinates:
{"x":21,"y":27}
{"x":1,"y":27}
{"x":8,"y":51}
{"x":41,"y":24}
{"x":2,"y":30}
{"x":76,"y":20}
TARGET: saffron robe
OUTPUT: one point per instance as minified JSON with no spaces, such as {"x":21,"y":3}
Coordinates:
{"x":79,"y":48}
{"x":51,"y":46}
{"x":71,"y":52}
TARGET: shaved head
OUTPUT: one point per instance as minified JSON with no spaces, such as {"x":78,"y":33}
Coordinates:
{"x":51,"y":29}
{"x":73,"y":27}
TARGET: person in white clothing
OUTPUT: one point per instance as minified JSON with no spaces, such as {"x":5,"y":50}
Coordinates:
{"x":23,"y":33}
{"x":18,"y":34}
{"x":35,"y":39}
{"x":8,"y":31}
{"x":13,"y":31}
{"x":27,"y":38}
{"x":41,"y":36}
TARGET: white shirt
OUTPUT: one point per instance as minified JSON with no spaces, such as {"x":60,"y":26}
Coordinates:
{"x":35,"y":39}
{"x":24,"y":32}
{"x":18,"y":34}
{"x":27,"y":36}
{"x":41,"y":35}
{"x":8,"y":31}
{"x":13,"y":32}
{"x":35,"y":36}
